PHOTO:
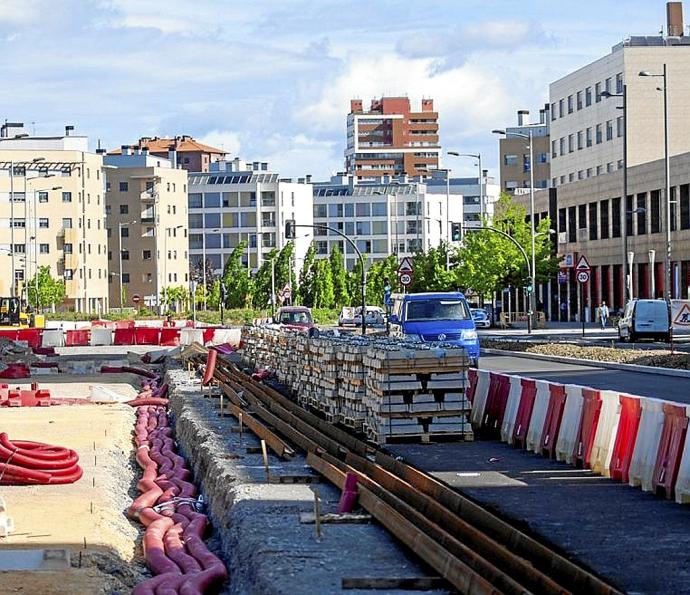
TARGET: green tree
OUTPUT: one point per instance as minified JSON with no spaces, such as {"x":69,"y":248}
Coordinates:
{"x":261,"y":285}
{"x":376,"y":275}
{"x":354,"y":284}
{"x":323,"y":284}
{"x":285,"y":269}
{"x":236,"y":278}
{"x":51,"y":291}
{"x":341,"y":292}
{"x":430,"y":272}
{"x":213,"y":299}
{"x":306,"y":278}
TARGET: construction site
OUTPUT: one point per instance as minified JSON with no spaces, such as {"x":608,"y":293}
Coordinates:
{"x":268,"y":461}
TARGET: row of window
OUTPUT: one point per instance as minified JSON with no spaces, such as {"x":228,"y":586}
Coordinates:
{"x":374,"y":228}
{"x":214,"y":200}
{"x":582,"y":99}
{"x":586,"y":138}
{"x":148,"y":278}
{"x":124,"y":186}
{"x":370,"y":246}
{"x":229,"y":241}
{"x":588,"y":173}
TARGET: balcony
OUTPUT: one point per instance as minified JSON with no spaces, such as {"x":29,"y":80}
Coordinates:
{"x":148,"y":216}
{"x":149,"y":195}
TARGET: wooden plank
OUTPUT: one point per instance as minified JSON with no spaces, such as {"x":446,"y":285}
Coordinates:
{"x":414,"y":583}
{"x":274,"y":442}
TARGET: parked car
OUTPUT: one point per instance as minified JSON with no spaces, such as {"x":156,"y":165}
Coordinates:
{"x":297,"y":317}
{"x":347,"y":316}
{"x":645,"y":319}
{"x":480,"y":317}
{"x":375,"y":316}
{"x":431,"y":317}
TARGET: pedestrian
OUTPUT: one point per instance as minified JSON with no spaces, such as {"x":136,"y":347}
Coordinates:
{"x":603,"y":314}
{"x":564,"y":312}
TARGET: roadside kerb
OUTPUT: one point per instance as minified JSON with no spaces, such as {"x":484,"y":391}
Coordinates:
{"x":591,"y":363}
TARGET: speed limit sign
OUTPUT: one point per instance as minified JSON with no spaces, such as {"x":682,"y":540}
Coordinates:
{"x":405,"y":279}
{"x":583,"y":276}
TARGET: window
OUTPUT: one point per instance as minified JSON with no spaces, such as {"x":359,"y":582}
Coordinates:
{"x":320,"y":211}
{"x":124,"y":232}
{"x":43,"y":223}
{"x":599,"y":134}
{"x":579,"y":100}
{"x":588,"y":96}
{"x":628,"y":215}
{"x":379,"y":209}
{"x":553,"y":112}
{"x":554,"y":150}
{"x":67,"y":223}
{"x":213,"y":219}
{"x":195,"y":220}
{"x":230,"y":199}
{"x":66,"y":197}
{"x":655,"y":211}
{"x":600,"y":169}
{"x":571,"y":143}
{"x":571,"y":177}
{"x":69,"y":274}
{"x":616,"y":217}
{"x":42,"y":197}
{"x":609,"y":167}
{"x":379,"y":228}
{"x":68,"y":249}
{"x":212,"y":200}
{"x":542,"y":158}
{"x":561,"y":143}
{"x":561,"y":111}
{"x":597,"y":92}
{"x":572,"y":229}
{"x":362,"y":228}
{"x":685,"y":206}
{"x":44,"y":248}
{"x":570,"y":104}
{"x":561,"y":220}
{"x":125,"y":255}
{"x":580,"y":140}
{"x":19,"y":249}
{"x":609,"y":130}
{"x":619,"y":82}
{"x":604,"y":218}
{"x":362,"y":209}
{"x":124,"y":209}
{"x":582,"y":216}
{"x":588,"y":137}
{"x":335,"y":210}
{"x":268,"y":199}
{"x":642,"y":216}
{"x":125,"y":277}
{"x":510,"y":159}
{"x":268,"y":219}
{"x":593,"y":221}
{"x":124,"y":186}
{"x":589,"y":172}
{"x":580,"y":174}
{"x":607,"y":85}
{"x":194,"y":200}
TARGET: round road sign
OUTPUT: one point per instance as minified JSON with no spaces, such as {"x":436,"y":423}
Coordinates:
{"x":405,"y":279}
{"x":136,"y":298}
{"x":583,"y":276}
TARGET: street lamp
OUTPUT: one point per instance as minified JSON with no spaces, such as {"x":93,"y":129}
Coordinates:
{"x":480,"y":178}
{"x":667,"y":174}
{"x":203,"y":259}
{"x":532,"y":295}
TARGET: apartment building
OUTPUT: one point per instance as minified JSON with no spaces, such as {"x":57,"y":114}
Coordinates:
{"x":146,"y":219}
{"x":182,"y":151}
{"x":237,"y":201}
{"x":587,"y":127}
{"x":394,"y":216}
{"x":51,"y":214}
{"x":515,"y":155}
{"x":390,"y":139}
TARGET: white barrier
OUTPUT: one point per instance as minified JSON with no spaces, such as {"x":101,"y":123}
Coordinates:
{"x":53,"y":338}
{"x":683,"y":479}
{"x":570,"y":424}
{"x":647,"y":443}
{"x":227,"y":335}
{"x":480,"y":395}
{"x":536,"y":423}
{"x":512,"y":406}
{"x":605,"y":436}
{"x":101,"y":336}
{"x":190,"y":335}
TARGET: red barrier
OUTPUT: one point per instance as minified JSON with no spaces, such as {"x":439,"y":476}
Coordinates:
{"x":552,"y":422}
{"x":208,"y":334}
{"x":524,"y":412}
{"x":123,"y":336}
{"x":591,"y":408}
{"x":496,"y":400}
{"x":10,"y":334}
{"x":670,"y":449}
{"x":77,"y":337}
{"x":623,"y":447}
{"x":146,"y":335}
{"x":31,"y":335}
{"x":123,"y":324}
{"x":472,"y":384}
{"x":170,"y":337}
{"x":15,"y":371}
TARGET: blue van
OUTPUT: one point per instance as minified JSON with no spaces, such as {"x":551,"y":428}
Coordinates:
{"x":443,"y":316}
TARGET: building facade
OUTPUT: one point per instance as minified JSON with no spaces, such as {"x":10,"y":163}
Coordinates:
{"x":395,"y":216}
{"x":182,"y":151}
{"x":515,"y":156}
{"x":390,"y":139}
{"x":237,"y":201}
{"x":51,"y":214}
{"x":146,"y":218}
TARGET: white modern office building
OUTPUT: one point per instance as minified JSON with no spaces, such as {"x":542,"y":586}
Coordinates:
{"x":393,"y":216}
{"x":238,"y":201}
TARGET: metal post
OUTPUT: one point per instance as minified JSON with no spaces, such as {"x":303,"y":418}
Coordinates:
{"x":480,"y":179}
{"x":533,"y":293}
{"x":448,"y":219}
{"x":26,"y":241}
{"x":273,"y":286}
{"x":36,"y":249}
{"x":203,"y":262}
{"x":582,"y":306}
{"x":13,"y":279}
{"x":627,"y":277}
{"x":668,"y":280}
{"x":652,"y":276}
{"x":119,"y":255}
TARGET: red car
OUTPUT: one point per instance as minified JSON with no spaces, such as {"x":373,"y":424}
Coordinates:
{"x":297,"y":317}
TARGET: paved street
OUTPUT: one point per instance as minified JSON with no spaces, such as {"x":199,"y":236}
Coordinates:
{"x":636,"y":383}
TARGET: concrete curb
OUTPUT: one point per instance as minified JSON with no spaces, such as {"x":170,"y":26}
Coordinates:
{"x":592,"y":363}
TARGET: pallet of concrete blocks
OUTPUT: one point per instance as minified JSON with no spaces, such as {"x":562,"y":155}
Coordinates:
{"x":352,"y":382}
{"x":416,"y":393}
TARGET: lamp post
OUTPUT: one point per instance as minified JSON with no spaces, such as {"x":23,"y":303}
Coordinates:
{"x":203,"y":259}
{"x":532,"y":295}
{"x":628,"y":254}
{"x":667,"y":174}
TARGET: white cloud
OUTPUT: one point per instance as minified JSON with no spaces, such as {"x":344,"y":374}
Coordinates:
{"x":223,"y":139}
{"x":20,"y":12}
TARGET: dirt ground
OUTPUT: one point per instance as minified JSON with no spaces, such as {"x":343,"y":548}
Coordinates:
{"x":87,"y":517}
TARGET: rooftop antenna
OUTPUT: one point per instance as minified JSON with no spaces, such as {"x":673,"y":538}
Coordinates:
{"x":33,"y":128}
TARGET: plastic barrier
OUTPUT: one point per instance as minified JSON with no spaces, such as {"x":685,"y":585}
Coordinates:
{"x":208,"y":333}
{"x":607,"y":430}
{"x":524,"y":412}
{"x":570,"y":424}
{"x":226,"y":335}
{"x":123,"y":324}
{"x":146,"y":335}
{"x":74,"y":338}
{"x":101,"y":336}
{"x":628,"y":425}
{"x":191,"y":335}
{"x":496,"y":402}
{"x":682,"y":489}
{"x":670,"y":449}
{"x":552,"y":421}
{"x":32,"y":336}
{"x":169,"y":337}
{"x":591,"y":408}
{"x":512,"y":404}
{"x":480,"y":394}
{"x":641,"y":471}
{"x":53,"y":338}
{"x":471,"y":384}
{"x":536,"y":424}
{"x":123,"y":336}
{"x":10,"y":334}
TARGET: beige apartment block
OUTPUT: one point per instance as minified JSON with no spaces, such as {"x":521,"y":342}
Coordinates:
{"x":51,"y":214}
{"x":146,"y":207}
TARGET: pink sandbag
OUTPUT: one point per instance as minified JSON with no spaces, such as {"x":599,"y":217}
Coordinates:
{"x":15,"y":371}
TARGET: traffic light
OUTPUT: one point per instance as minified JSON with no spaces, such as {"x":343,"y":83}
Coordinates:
{"x":456,"y":232}
{"x":529,"y":285}
{"x":290,"y":229}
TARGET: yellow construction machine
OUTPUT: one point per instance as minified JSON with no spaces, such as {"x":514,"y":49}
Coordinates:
{"x":13,"y":315}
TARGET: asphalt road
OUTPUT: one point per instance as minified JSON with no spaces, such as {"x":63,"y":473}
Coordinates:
{"x":634,"y":383}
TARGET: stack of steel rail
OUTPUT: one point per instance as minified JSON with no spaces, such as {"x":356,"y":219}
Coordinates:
{"x":469,"y":546}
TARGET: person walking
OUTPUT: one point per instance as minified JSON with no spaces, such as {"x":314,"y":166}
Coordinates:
{"x":603,"y":315}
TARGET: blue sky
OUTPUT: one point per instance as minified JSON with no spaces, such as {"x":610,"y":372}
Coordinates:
{"x":271,"y":80}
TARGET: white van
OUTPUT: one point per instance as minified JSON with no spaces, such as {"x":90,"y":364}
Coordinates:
{"x":645,"y":319}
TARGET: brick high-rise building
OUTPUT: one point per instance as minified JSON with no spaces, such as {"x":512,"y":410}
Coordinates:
{"x":391,"y":139}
